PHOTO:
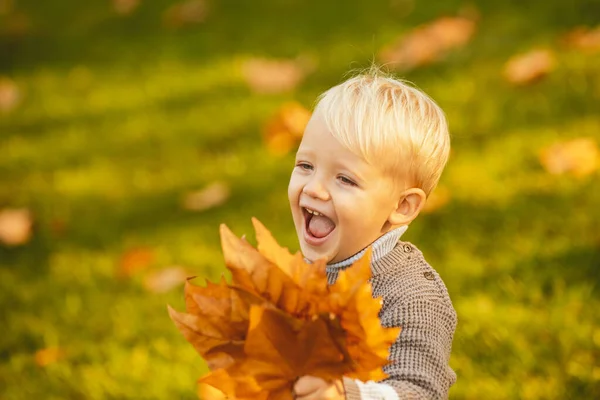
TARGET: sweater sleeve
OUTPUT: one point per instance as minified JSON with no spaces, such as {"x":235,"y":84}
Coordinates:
{"x":419,"y":359}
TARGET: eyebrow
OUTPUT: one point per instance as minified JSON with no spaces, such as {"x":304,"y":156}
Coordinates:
{"x":304,"y":152}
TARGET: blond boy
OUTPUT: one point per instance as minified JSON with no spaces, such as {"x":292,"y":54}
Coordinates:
{"x":371,"y":154}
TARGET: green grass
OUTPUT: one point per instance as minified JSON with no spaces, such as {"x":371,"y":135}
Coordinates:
{"x":121,"y":118}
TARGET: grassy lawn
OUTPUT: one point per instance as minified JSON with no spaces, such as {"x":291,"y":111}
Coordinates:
{"x":121,"y":117}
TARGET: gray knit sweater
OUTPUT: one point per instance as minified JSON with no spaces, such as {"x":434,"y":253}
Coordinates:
{"x":416,"y":299}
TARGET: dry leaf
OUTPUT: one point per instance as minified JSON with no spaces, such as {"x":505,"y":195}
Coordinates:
{"x":15,"y":226}
{"x":429,"y":43}
{"x":207,"y":392}
{"x":125,"y":7}
{"x":279,"y":320}
{"x":584,"y":39}
{"x":252,"y":272}
{"x":314,"y":280}
{"x":579,"y":157}
{"x":273,"y":76}
{"x":211,"y":196}
{"x":438,"y":199}
{"x":10,"y":95}
{"x":234,"y":388}
{"x":135,"y":260}
{"x":527,"y":68}
{"x":186,"y":13}
{"x":281,"y":348}
{"x":50,"y":355}
{"x":284,"y":131}
{"x":166,"y":279}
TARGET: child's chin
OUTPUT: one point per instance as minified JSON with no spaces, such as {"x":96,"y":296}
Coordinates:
{"x":312,"y":255}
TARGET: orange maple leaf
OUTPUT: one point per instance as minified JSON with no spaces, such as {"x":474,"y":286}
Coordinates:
{"x":311,"y":278}
{"x":279,"y":320}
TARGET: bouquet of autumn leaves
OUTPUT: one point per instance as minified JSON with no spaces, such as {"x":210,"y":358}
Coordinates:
{"x":279,"y":320}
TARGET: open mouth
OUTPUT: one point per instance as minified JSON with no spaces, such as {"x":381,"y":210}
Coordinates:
{"x":317,"y":226}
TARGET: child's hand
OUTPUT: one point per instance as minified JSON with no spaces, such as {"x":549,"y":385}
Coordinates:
{"x":313,"y":388}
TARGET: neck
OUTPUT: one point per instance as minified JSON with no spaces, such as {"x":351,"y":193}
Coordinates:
{"x":383,"y":245}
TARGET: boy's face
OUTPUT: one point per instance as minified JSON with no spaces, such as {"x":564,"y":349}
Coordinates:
{"x":340,"y":203}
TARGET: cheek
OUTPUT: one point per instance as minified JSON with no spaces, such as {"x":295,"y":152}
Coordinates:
{"x":351,"y":212}
{"x":293,"y":190}
{"x":361,"y":215}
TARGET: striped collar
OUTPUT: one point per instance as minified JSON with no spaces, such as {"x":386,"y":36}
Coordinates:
{"x":383,"y":245}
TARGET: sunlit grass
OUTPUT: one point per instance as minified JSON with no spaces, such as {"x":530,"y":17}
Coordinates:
{"x":117,"y":125}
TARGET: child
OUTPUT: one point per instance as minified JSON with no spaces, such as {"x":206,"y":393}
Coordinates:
{"x":370,"y":156}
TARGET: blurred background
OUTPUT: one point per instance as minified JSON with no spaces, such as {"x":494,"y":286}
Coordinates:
{"x":130,"y":129}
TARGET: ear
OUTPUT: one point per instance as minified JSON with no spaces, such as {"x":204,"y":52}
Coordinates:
{"x":408,"y":207}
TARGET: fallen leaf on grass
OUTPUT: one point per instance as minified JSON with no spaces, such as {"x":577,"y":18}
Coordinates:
{"x":211,"y":196}
{"x":274,"y":76}
{"x":279,"y":320}
{"x":584,"y":39}
{"x":50,"y":355}
{"x":428,"y":43}
{"x":284,"y":131}
{"x":166,"y":279}
{"x":186,"y":13}
{"x":135,"y":260}
{"x":15,"y":226}
{"x":125,"y":7}
{"x":529,"y":67}
{"x":579,"y":157}
{"x":10,"y":95}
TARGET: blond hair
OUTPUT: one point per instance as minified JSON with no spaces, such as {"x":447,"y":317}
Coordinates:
{"x":390,"y":124}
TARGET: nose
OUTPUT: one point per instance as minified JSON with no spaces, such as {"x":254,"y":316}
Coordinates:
{"x":315,"y":189}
